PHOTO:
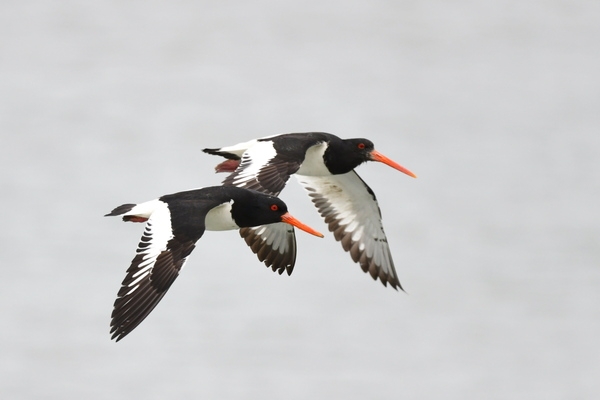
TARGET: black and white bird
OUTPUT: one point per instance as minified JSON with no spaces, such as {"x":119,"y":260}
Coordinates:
{"x":324,"y":165}
{"x":174,"y":223}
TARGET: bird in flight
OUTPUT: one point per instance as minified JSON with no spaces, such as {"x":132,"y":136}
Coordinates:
{"x":174,"y":223}
{"x":324,"y":165}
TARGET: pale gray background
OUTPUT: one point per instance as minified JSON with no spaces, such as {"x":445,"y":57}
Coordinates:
{"x":494,"y":104}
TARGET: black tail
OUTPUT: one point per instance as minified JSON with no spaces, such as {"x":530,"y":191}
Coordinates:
{"x":217,"y":152}
{"x":120,"y":210}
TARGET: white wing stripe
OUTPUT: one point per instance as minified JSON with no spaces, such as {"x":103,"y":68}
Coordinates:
{"x":256,"y":157}
{"x":139,"y":279}
{"x":142,"y":270}
{"x":157,"y":234}
{"x":131,"y":291}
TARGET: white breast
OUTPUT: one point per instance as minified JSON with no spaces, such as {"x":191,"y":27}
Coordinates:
{"x":313,"y":164}
{"x":219,"y":218}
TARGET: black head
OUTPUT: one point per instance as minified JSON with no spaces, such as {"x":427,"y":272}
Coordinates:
{"x":255,"y":208}
{"x":344,"y":155}
{"x":251,"y":208}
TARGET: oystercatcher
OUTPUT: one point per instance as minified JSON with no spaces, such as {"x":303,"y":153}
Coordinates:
{"x":324,"y":165}
{"x":174,"y":223}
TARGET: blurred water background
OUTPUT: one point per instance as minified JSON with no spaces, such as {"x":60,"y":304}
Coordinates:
{"x":494,"y":104}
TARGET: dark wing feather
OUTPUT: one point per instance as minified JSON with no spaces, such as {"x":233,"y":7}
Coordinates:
{"x":160,"y":257}
{"x":350,"y":209}
{"x":261,"y":169}
{"x":274,"y":244}
{"x":269,"y":178}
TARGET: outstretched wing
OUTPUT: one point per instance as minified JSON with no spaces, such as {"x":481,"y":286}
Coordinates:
{"x":261,"y":169}
{"x":161,"y":254}
{"x":350,"y":209}
{"x":274,"y":244}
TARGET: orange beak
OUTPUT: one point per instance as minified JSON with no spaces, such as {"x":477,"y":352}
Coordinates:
{"x":288,"y":219}
{"x":377,"y":156}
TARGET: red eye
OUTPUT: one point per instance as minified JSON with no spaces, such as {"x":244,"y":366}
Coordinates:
{"x":274,"y":207}
{"x":361,"y":146}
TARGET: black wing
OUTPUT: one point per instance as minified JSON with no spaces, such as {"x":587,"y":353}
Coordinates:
{"x":161,"y":254}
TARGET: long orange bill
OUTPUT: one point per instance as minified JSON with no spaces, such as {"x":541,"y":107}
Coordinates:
{"x":288,"y":219}
{"x":377,"y":156}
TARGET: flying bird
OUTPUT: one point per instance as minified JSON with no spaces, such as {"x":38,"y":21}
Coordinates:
{"x":174,"y":223}
{"x":324,"y":165}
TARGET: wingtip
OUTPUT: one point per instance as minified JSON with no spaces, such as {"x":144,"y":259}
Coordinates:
{"x":395,"y":284}
{"x":399,"y":288}
{"x":115,"y":334}
{"x":119,"y":332}
{"x":117,"y":337}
